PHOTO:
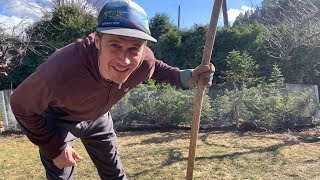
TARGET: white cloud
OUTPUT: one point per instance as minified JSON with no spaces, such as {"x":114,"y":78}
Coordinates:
{"x":14,"y":24}
{"x":30,"y":9}
{"x":16,"y":15}
{"x":234,"y":13}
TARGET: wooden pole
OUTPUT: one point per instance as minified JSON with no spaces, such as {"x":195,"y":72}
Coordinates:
{"x":200,"y":90}
{"x":225,"y":14}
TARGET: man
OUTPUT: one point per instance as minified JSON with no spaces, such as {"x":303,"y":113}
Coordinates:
{"x":70,"y":95}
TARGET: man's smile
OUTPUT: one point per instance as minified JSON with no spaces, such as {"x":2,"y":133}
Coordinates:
{"x":120,"y":69}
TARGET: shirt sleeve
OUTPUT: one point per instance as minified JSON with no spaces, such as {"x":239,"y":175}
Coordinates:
{"x":28,"y":101}
{"x":174,"y":76}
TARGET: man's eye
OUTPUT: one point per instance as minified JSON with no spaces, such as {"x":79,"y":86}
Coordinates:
{"x":115,"y":45}
{"x":134,"y":50}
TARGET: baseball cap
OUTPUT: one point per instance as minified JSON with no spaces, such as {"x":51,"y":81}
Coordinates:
{"x":125,"y":18}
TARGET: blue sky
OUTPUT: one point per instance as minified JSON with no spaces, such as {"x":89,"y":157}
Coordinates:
{"x":194,"y":11}
{"x":13,"y":12}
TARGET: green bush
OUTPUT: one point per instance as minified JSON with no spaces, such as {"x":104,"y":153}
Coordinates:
{"x":272,"y":109}
{"x":277,"y":109}
{"x":161,"y":105}
{"x":223,"y":108}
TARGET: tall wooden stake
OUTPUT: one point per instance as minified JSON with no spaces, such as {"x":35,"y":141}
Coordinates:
{"x":211,"y":34}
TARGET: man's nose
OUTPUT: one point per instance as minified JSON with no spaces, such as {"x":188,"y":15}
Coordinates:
{"x":124,"y":58}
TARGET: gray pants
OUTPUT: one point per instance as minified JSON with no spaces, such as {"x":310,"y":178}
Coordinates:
{"x":100,"y":141}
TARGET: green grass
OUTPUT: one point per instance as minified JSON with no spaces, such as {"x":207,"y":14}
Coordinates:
{"x":163,"y":155}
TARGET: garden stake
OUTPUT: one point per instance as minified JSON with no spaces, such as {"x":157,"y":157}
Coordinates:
{"x":210,"y":37}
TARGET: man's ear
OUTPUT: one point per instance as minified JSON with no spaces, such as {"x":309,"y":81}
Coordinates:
{"x":97,"y":41}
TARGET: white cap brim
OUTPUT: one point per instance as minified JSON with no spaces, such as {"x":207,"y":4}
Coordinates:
{"x":126,"y":32}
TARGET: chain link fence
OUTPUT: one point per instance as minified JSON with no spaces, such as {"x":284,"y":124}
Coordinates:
{"x":307,"y":94}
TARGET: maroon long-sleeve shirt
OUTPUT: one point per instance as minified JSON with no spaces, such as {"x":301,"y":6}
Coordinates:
{"x":69,"y":85}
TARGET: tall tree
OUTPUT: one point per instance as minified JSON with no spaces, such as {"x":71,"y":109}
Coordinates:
{"x":88,"y":6}
{"x":192,"y":44}
{"x":239,"y":75}
{"x":293,"y":38}
{"x":63,"y":26}
{"x":276,"y":80}
{"x":160,"y":24}
{"x":169,"y":39}
{"x":13,"y":48}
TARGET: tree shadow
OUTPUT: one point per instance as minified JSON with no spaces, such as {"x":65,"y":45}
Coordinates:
{"x":293,"y":137}
{"x":165,"y":137}
{"x":204,"y":139}
{"x":15,"y":134}
{"x":140,"y":173}
{"x":175,"y":156}
{"x":260,"y":150}
{"x":313,"y":137}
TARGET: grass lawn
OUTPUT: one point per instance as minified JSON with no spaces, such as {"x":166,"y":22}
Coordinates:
{"x":163,"y":155}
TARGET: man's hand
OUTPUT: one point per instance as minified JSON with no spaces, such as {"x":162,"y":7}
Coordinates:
{"x":68,"y":157}
{"x":202,"y":74}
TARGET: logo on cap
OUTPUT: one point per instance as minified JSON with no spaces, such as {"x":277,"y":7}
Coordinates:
{"x":124,"y":14}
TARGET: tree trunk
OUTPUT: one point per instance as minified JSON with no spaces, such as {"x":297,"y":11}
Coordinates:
{"x":236,"y":107}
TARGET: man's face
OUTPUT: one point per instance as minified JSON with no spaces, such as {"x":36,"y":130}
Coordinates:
{"x":119,"y":56}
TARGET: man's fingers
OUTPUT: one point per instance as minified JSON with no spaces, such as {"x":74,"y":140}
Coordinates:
{"x":206,"y":79}
{"x":212,"y":68}
{"x":68,"y":157}
{"x":76,"y":156}
{"x":202,"y":74}
{"x":203,"y":69}
{"x":70,"y":161}
{"x":206,"y":75}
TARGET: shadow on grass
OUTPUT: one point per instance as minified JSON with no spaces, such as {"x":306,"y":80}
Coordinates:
{"x":305,"y":138}
{"x":133,"y":133}
{"x":261,"y":150}
{"x":15,"y":134}
{"x":175,"y":156}
{"x":204,"y":139}
{"x":137,"y":174}
{"x":165,"y":137}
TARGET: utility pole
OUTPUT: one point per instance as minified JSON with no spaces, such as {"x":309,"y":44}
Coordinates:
{"x":60,"y":2}
{"x":225,"y":14}
{"x":179,"y":16}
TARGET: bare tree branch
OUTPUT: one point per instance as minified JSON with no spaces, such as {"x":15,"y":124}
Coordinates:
{"x":15,"y":42}
{"x":299,"y":25}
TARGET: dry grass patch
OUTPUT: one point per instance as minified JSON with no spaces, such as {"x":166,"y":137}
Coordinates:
{"x":163,"y":155}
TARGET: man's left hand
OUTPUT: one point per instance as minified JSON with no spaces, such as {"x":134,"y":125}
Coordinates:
{"x":202,"y":74}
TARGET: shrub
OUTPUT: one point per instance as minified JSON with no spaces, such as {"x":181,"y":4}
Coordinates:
{"x":271,"y":109}
{"x":159,"y":105}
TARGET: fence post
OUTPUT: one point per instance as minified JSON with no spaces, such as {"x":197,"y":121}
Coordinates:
{"x":4,"y":111}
